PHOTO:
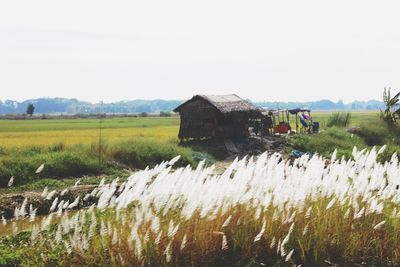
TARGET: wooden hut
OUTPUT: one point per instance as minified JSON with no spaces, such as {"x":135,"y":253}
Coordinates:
{"x":221,"y":116}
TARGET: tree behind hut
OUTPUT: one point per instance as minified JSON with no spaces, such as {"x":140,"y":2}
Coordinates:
{"x":387,"y":114}
{"x":30,"y":109}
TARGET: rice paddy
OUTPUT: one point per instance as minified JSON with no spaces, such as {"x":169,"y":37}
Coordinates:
{"x":21,"y":133}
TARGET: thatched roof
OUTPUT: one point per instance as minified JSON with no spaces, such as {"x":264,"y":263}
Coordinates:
{"x":225,"y":103}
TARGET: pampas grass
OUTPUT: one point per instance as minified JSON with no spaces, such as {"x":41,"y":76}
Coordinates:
{"x":264,"y":210}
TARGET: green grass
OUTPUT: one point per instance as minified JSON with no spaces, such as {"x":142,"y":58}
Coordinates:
{"x":83,"y":160}
{"x":325,"y":142}
{"x":7,"y":126}
{"x":357,"y":117}
{"x":339,"y":119}
{"x":371,"y":131}
{"x":141,"y":153}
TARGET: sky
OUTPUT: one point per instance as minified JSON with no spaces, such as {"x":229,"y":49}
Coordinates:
{"x":156,"y":49}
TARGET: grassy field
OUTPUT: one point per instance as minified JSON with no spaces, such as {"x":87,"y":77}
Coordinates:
{"x":22,"y":133}
{"x":357,"y":117}
{"x":70,"y":147}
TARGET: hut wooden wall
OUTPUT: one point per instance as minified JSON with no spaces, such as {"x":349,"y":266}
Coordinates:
{"x":198,"y":120}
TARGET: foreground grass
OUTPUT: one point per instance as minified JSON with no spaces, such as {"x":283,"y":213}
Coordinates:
{"x":248,"y":216}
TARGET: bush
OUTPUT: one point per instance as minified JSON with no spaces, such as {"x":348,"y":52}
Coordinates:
{"x":378,"y":132}
{"x":143,"y":153}
{"x":339,"y":120}
{"x":327,"y":141}
{"x":165,"y":114}
{"x":59,"y":164}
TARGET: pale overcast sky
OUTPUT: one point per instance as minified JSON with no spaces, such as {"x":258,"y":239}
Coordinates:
{"x":261,"y":50}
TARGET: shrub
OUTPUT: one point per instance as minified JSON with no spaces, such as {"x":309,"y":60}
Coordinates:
{"x":327,"y":141}
{"x":59,"y":164}
{"x":143,"y":153}
{"x":339,"y":120}
{"x":375,"y":133}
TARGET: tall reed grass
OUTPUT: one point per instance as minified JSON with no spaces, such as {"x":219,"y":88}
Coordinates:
{"x":261,"y":211}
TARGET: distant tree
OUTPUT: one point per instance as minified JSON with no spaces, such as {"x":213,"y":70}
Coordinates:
{"x":30,"y":109}
{"x":143,"y":114}
{"x":165,"y":114}
{"x":389,"y":101}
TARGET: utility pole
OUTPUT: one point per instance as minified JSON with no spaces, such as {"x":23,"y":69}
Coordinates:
{"x":100,"y":129}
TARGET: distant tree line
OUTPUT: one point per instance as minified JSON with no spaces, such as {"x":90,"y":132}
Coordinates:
{"x":74,"y":106}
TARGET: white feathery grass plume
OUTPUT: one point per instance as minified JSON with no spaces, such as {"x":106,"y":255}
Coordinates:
{"x":168,"y":252}
{"x":305,"y":230}
{"x":286,"y":240}
{"x":46,"y":222}
{"x":86,"y":197}
{"x":278,"y":247}
{"x":155,"y":224}
{"x":77,"y":183}
{"x":22,"y":211}
{"x":260,"y":234}
{"x":289,"y":255}
{"x":258,"y":213}
{"x":61,"y":204}
{"x":227,"y":221}
{"x":330,"y":204}
{"x":334,"y":155}
{"x":347,"y":213}
{"x":11,"y":181}
{"x":91,"y":208}
{"x":64,"y":192}
{"x":172,"y":230}
{"x":45,"y":191}
{"x":158,"y":238}
{"x":58,"y":235}
{"x":184,"y":241}
{"x":308,"y":213}
{"x":74,"y":204}
{"x":68,"y":247}
{"x":272,"y":242}
{"x":101,"y":184}
{"x":32,"y":213}
{"x":291,"y":228}
{"x":174,"y":160}
{"x":382,"y":149}
{"x":394,"y":213}
{"x":103,"y":229}
{"x":379,"y":225}
{"x":51,"y":195}
{"x":34,"y":233}
{"x":3,"y":220}
{"x":359,"y":214}
{"x":40,"y":169}
{"x":114,"y":239}
{"x":53,"y":205}
{"x":224,"y":245}
{"x":66,"y":204}
{"x":290,"y":218}
{"x":121,"y":187}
